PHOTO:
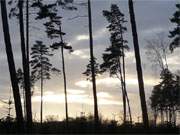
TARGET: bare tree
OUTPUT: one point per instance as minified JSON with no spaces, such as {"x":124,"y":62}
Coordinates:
{"x":157,"y":51}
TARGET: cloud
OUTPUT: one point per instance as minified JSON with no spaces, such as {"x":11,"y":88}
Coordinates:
{"x":82,"y":37}
{"x":78,"y":98}
{"x":48,"y":93}
{"x":97,"y":34}
{"x":83,"y":84}
{"x":174,"y":60}
{"x":75,"y":91}
{"x":80,"y":53}
{"x":109,"y":82}
{"x":1,"y":105}
{"x":103,"y":95}
{"x":151,"y":31}
{"x":100,"y":33}
{"x":108,"y":102}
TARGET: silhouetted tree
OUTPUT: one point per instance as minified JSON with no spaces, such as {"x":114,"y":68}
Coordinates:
{"x":138,"y":64}
{"x":53,"y":29}
{"x":38,"y":4}
{"x":96,"y":116}
{"x":17,"y":11}
{"x":114,"y":58}
{"x":20,"y":77}
{"x":165,"y":96}
{"x":41,"y":66}
{"x":25,"y":64}
{"x":154,"y":101}
{"x":175,"y":33}
{"x":11,"y":64}
{"x":21,"y":85}
{"x":54,"y":33}
{"x":88,"y":72}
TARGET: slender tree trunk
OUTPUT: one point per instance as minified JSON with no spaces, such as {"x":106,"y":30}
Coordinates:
{"x":24,"y":96}
{"x":166,"y":111}
{"x":170,"y":115}
{"x":96,"y":116}
{"x":64,"y":77}
{"x":41,"y":109}
{"x":155,"y":117}
{"x":25,"y":66}
{"x":11,"y":65}
{"x":174,"y":116}
{"x":65,"y":89}
{"x":162,"y":117}
{"x":138,"y":65}
{"x":123,"y":92}
{"x":28,"y":93}
{"x":124,"y":76}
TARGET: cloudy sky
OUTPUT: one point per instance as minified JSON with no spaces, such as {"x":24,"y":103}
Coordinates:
{"x":152,"y":17}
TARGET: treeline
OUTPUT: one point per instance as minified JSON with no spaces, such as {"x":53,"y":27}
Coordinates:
{"x":39,"y":66}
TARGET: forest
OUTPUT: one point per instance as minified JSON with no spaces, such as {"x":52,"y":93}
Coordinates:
{"x":40,"y":51}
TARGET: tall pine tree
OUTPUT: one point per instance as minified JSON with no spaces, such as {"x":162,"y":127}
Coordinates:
{"x":92,"y":62}
{"x":54,"y":32}
{"x":114,"y":58}
{"x":41,"y":67}
{"x":53,"y":27}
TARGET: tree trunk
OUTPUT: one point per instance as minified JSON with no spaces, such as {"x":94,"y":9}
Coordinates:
{"x":170,"y":115}
{"x":64,"y":76}
{"x":65,"y":89}
{"x":124,"y":76}
{"x":162,"y":117}
{"x":138,"y":65}
{"x":24,"y":97}
{"x":41,"y":109}
{"x":155,"y":116}
{"x":174,"y":116}
{"x":28,"y":93}
{"x":11,"y":65}
{"x":123,"y":92}
{"x":25,"y":66}
{"x":96,"y":116}
{"x":166,"y":111}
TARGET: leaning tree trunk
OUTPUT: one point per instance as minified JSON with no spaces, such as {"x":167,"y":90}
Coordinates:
{"x":11,"y":64}
{"x":124,"y":76}
{"x":138,"y":65}
{"x":25,"y":66}
{"x":96,"y":116}
{"x":123,"y":92}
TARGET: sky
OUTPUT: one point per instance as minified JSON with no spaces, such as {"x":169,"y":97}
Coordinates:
{"x":152,"y":17}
